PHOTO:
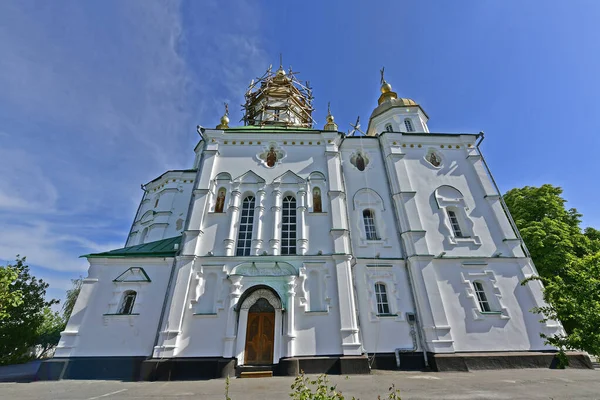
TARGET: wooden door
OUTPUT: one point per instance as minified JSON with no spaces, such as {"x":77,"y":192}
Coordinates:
{"x":260,"y":334}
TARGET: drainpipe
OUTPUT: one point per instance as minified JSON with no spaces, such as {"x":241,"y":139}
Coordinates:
{"x":411,"y":318}
{"x":413,"y":296}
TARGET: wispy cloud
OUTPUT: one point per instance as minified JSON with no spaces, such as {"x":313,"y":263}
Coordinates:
{"x":97,"y":98}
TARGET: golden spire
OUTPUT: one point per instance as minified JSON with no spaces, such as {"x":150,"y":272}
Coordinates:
{"x":225,"y":118}
{"x":386,"y":90}
{"x":330,"y":125}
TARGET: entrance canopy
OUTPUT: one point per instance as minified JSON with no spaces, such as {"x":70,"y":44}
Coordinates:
{"x":265,"y":269}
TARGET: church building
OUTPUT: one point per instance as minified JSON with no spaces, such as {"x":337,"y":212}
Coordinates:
{"x":289,"y":247}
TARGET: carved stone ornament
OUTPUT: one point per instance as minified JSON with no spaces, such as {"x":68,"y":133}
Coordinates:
{"x":261,"y":294}
{"x":359,"y":160}
{"x":271,"y":155}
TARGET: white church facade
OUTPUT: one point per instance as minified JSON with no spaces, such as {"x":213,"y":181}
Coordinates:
{"x":286,"y":248}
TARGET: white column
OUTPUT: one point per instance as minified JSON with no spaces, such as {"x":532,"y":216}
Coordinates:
{"x":234,"y":210}
{"x":276,"y":209}
{"x":291,"y":308}
{"x":234,"y":296}
{"x":349,"y":324}
{"x":259,"y":212}
{"x":302,"y":238}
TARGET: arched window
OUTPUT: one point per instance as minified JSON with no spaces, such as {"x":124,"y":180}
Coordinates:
{"x":288,"y":226}
{"x":127,"y":302}
{"x":409,"y":126}
{"x":388,"y":128}
{"x":143,"y":235}
{"x":370,"y":228}
{"x":484,"y":304}
{"x":383,"y":307}
{"x":455,"y":224}
{"x":317,"y":205}
{"x":244,"y":242}
{"x":156,"y":202}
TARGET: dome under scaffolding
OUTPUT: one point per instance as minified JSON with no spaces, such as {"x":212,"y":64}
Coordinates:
{"x":278,"y":99}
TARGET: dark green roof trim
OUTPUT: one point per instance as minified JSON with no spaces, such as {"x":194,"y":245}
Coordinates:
{"x":171,"y":170}
{"x":159,"y":248}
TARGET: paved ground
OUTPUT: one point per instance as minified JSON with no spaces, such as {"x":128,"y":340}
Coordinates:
{"x":502,"y":384}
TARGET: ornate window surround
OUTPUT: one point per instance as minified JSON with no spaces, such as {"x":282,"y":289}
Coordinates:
{"x":492,"y":291}
{"x":450,"y":198}
{"x":304,"y":295}
{"x":383,"y":273}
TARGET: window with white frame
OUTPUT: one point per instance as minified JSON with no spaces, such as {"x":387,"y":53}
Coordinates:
{"x":455,"y":223}
{"x":409,"y":126}
{"x":369,"y":221}
{"x":383,"y":307}
{"x":484,"y":304}
{"x":244,"y":242}
{"x":127,"y":302}
{"x":288,"y":226}
{"x":388,"y":128}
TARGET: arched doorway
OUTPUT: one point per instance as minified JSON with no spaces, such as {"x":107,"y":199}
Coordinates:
{"x":260,"y":333}
{"x":259,"y":322}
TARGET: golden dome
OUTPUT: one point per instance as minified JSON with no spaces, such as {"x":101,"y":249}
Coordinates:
{"x":280,"y":71}
{"x":224,"y":121}
{"x":330,"y":125}
{"x":386,"y":87}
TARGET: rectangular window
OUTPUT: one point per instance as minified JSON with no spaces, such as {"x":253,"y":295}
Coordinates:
{"x":455,"y":224}
{"x":288,"y":226}
{"x":244,"y":243}
{"x":382,"y":302}
{"x":484,"y":305}
{"x":370,"y":228}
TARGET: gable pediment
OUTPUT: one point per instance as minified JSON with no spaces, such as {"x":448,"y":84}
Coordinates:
{"x":133,"y":274}
{"x":249,"y":177}
{"x":289,"y":177}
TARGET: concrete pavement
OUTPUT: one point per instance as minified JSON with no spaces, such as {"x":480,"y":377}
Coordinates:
{"x":497,"y":384}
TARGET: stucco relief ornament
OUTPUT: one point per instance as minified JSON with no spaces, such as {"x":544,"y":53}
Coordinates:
{"x":271,"y":155}
{"x":360,"y":160}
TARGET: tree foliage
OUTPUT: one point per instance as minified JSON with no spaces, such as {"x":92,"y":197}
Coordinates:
{"x":9,"y":297}
{"x":48,"y":333}
{"x":71,"y":298}
{"x":20,"y":328}
{"x":567,"y":261}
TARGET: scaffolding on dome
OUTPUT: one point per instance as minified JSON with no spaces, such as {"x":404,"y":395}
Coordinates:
{"x":278,"y":99}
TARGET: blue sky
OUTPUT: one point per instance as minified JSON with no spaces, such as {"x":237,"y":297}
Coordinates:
{"x":99,"y":97}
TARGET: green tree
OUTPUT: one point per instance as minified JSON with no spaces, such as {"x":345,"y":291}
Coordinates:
{"x":19,"y":330}
{"x":574,"y":299}
{"x":550,"y":231}
{"x":8,"y":296}
{"x":567,"y":262}
{"x":71,"y":298}
{"x":48,"y":333}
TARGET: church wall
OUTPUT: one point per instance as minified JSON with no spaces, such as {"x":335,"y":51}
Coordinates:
{"x":167,"y":218}
{"x":94,"y":329}
{"x":482,"y":220}
{"x":511,"y":326}
{"x":384,"y":334}
{"x":368,"y":189}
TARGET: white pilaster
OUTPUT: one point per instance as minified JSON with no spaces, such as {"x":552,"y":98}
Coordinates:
{"x":302,"y":239}
{"x":276,"y":210}
{"x":349,"y":324}
{"x":291,"y":310}
{"x":234,"y":296}
{"x":234,"y":210}
{"x":259,"y":212}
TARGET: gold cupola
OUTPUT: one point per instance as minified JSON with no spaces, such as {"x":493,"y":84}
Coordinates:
{"x":224,"y":119}
{"x":330,"y":125}
{"x":278,"y":99}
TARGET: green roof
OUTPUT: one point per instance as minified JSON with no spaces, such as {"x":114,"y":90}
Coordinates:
{"x":160,"y":248}
{"x":270,"y":128}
